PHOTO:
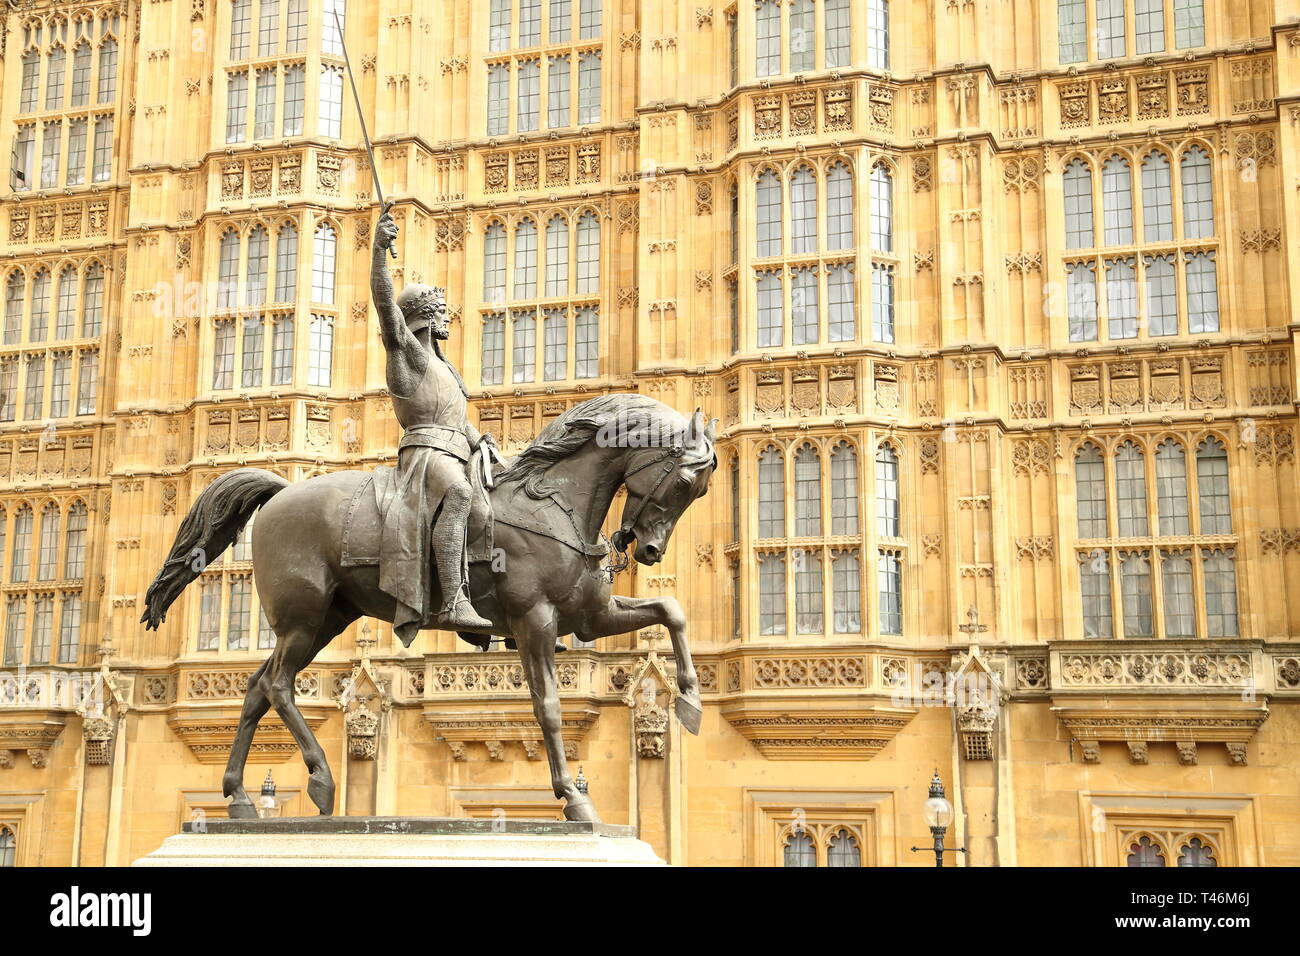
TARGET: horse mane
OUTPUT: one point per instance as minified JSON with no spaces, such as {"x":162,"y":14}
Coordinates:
{"x":649,"y":419}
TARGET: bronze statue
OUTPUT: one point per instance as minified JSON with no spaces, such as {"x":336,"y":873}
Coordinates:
{"x":437,"y":441}
{"x":317,"y":543}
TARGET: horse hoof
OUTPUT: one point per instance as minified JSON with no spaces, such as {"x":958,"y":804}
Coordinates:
{"x":321,"y":793}
{"x":689,"y":710}
{"x":242,"y":811}
{"x":582,"y":810}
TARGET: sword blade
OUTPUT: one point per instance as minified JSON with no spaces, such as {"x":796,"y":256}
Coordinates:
{"x":365,"y":133}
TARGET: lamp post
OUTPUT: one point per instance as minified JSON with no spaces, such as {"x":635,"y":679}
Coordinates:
{"x":938,"y":817}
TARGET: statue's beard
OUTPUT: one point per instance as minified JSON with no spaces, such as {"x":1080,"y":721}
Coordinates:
{"x":442,"y":332}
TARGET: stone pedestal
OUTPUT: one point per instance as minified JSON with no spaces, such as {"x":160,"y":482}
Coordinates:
{"x":401,"y":841}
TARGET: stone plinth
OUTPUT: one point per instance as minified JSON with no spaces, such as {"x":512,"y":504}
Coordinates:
{"x":401,"y":841}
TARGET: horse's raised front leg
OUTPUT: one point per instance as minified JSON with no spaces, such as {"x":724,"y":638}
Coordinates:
{"x":624,"y":614}
{"x":535,"y":634}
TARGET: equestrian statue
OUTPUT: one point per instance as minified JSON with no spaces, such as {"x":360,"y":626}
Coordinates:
{"x":442,"y":542}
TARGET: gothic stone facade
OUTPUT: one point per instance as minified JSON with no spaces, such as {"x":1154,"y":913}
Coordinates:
{"x":993,"y":303}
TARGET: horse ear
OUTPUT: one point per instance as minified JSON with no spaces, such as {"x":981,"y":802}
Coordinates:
{"x":711,"y":431}
{"x":697,"y":423}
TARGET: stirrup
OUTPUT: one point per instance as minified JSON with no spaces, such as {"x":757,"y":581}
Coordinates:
{"x":454,"y":615}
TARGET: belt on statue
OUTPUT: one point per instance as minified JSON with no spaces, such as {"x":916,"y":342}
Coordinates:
{"x":443,"y":438}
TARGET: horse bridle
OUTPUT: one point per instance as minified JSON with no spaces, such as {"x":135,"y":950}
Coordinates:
{"x":622,"y":537}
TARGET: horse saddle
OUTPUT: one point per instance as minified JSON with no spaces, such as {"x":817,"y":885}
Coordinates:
{"x":508,"y":503}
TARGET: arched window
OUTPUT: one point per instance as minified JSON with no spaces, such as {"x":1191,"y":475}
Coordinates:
{"x":1121,"y":297}
{"x":1157,"y":199}
{"x":771,"y":494}
{"x":588,"y":254}
{"x":1171,"y":487}
{"x":768,"y":196}
{"x":734,"y":221}
{"x":808,"y":614}
{"x":771,"y":594}
{"x":1198,"y":194}
{"x":1135,"y":592}
{"x":31,"y":81}
{"x":259,"y":252}
{"x":1220,"y":573}
{"x":838,"y":30}
{"x":1090,"y":491}
{"x":735,"y":498}
{"x":802,"y":36}
{"x":1117,"y":201}
{"x":799,"y":849}
{"x":557,"y":257}
{"x":887,"y":504}
{"x":332,"y":40}
{"x":107,"y":88}
{"x":843,"y":850}
{"x":1144,"y":853}
{"x":807,"y":492}
{"x":878,"y":34}
{"x":1162,"y":295}
{"x":66,"y":315}
{"x":228,"y":270}
{"x":92,"y":301}
{"x":839,"y":208}
{"x":844,"y":490}
{"x":74,"y":552}
{"x":1176,"y":580}
{"x":889,"y":578}
{"x":1077,"y":185}
{"x":320,"y":351}
{"x":81,"y":74}
{"x":20,"y":561}
{"x":805,"y":317}
{"x":1212,"y":487}
{"x":15,"y":292}
{"x":494,"y":264}
{"x":803,"y":209}
{"x":8,"y":846}
{"x":322,"y":264}
{"x":56,"y":68}
{"x":286,"y":262}
{"x":499,"y":25}
{"x":771,"y":309}
{"x":846,"y":592}
{"x":40,"y":318}
{"x":526,"y":260}
{"x":1202,"y":292}
{"x":882,"y":209}
{"x":47,"y":560}
{"x":1196,"y":853}
{"x":767,"y":32}
{"x":1110,"y":29}
{"x":1131,"y":489}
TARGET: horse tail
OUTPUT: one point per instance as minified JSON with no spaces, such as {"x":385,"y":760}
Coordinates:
{"x":212,"y":525}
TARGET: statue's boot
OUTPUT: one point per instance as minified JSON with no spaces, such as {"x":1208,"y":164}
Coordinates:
{"x":459,"y":615}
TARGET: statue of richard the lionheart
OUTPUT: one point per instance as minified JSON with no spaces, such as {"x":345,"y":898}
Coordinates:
{"x":438,"y":441}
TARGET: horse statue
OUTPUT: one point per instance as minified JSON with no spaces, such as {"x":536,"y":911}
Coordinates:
{"x":535,"y":590}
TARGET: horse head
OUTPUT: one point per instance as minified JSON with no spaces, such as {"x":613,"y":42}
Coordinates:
{"x":661,"y":482}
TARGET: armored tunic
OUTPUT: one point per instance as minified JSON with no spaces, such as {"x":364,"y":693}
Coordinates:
{"x":434,"y":426}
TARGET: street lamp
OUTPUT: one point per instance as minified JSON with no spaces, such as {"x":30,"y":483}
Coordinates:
{"x":267,"y":806}
{"x":938,"y":817}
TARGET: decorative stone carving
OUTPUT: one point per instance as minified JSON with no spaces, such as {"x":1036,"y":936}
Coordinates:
{"x":97,"y":733}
